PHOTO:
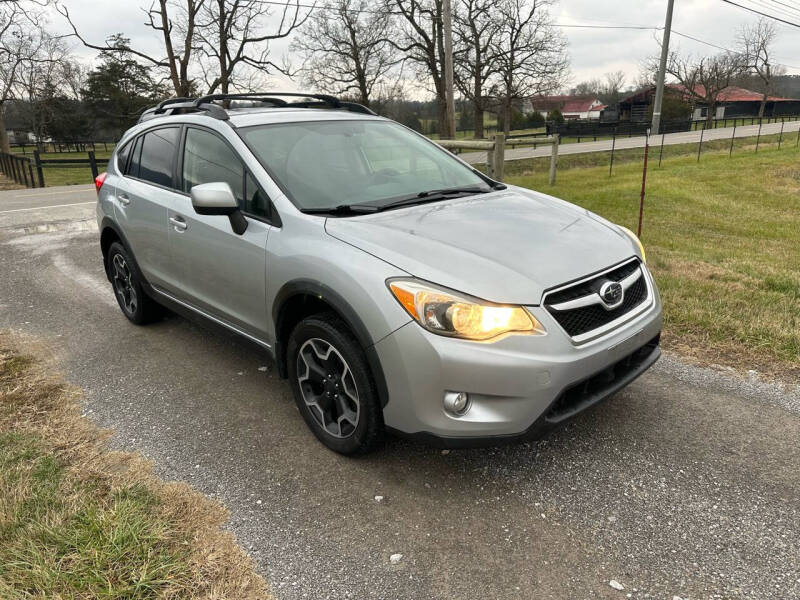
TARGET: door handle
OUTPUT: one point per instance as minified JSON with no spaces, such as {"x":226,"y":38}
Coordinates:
{"x":178,"y":223}
{"x":124,"y":199}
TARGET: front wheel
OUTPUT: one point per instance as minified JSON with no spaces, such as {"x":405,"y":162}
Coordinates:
{"x":333,"y":386}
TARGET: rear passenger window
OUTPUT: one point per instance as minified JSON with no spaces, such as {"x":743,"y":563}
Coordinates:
{"x":157,"y":156}
{"x":207,"y":159}
{"x":133,"y":164}
{"x":122,"y":157}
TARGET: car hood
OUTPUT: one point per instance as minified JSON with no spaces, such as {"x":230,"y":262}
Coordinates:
{"x":507,"y":246}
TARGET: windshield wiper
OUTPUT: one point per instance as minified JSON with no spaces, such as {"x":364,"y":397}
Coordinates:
{"x":432,"y":196}
{"x":342,"y":209}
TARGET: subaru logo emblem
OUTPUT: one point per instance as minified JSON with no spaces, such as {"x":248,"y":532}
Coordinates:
{"x":611,"y":293}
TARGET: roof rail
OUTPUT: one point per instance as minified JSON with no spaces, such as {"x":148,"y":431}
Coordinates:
{"x":206,"y":104}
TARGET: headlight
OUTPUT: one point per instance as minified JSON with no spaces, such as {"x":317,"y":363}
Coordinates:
{"x":448,"y":313}
{"x":635,"y":239}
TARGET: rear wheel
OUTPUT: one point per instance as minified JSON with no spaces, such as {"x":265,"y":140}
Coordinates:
{"x":333,"y":386}
{"x":133,"y":301}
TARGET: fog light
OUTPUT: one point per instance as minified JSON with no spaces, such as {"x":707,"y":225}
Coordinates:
{"x":456,"y":403}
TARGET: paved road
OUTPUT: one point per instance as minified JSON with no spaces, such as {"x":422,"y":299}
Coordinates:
{"x":622,"y":143}
{"x":685,"y":484}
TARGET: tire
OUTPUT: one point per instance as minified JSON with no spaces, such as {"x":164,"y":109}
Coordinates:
{"x":126,"y":283}
{"x":322,"y":354}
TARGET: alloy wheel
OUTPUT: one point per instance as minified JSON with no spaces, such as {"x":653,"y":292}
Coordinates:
{"x":123,"y":285}
{"x":328,"y":387}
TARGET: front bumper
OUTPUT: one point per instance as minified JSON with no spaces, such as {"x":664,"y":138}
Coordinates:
{"x":519,"y":386}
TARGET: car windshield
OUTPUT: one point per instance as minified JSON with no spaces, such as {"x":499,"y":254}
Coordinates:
{"x":327,"y":164}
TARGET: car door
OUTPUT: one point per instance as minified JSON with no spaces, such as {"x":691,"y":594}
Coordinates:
{"x":143,"y":195}
{"x":221,"y":273}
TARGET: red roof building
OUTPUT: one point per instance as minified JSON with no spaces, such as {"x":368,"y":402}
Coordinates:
{"x":572,"y":107}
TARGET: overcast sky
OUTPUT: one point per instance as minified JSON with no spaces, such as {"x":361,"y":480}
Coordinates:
{"x":593,"y":51}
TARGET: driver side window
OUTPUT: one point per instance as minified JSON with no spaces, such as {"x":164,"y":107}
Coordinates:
{"x":207,"y":159}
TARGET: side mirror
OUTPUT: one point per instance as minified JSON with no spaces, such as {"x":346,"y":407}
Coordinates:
{"x":217,"y":198}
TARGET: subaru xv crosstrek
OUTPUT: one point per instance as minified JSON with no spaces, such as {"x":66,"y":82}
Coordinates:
{"x":396,"y":287}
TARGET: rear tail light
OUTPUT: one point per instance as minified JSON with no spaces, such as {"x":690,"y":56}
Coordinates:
{"x":99,"y":180}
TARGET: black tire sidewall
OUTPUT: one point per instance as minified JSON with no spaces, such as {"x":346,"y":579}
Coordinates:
{"x":369,"y":430}
{"x":138,"y":316}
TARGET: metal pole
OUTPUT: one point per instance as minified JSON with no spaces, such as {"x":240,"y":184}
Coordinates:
{"x":700,"y":145}
{"x":613,"y":144}
{"x":662,"y":69}
{"x":447,"y":22}
{"x":733,"y":136}
{"x":644,"y":184}
{"x":780,"y":137}
{"x":661,"y":151}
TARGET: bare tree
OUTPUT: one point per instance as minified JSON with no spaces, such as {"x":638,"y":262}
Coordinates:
{"x":345,"y":49}
{"x":755,"y":42}
{"x":22,"y":37}
{"x":177,"y":42}
{"x":531,"y":53}
{"x":612,"y":87}
{"x":234,"y":36}
{"x":705,"y":78}
{"x":420,"y":38}
{"x":475,"y":25}
{"x":42,"y":78}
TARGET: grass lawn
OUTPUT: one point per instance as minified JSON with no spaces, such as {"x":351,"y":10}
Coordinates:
{"x":722,"y":239}
{"x":80,"y":521}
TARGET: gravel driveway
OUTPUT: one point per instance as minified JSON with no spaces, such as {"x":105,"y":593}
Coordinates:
{"x":686,"y":484}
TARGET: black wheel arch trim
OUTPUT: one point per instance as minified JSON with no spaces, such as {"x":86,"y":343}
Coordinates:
{"x":108,"y":223}
{"x":326,"y":294}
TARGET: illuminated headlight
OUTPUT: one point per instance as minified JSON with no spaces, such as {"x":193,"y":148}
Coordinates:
{"x":448,"y":313}
{"x":636,"y":240}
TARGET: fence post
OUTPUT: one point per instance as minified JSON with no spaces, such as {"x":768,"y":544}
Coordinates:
{"x":780,"y":137}
{"x":661,"y":150}
{"x":554,"y":159}
{"x":797,"y":143}
{"x":39,"y":173}
{"x":733,"y":136}
{"x":499,"y":155}
{"x":92,"y":165}
{"x":700,"y":145}
{"x":758,"y":139}
{"x":613,"y":145}
{"x":30,"y":172}
{"x":490,"y":162}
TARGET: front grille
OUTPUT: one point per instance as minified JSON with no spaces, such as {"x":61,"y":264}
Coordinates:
{"x":590,"y":286}
{"x":584,"y":319}
{"x":600,"y":385}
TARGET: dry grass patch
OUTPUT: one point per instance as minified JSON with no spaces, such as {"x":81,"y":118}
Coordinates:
{"x":78,"y":520}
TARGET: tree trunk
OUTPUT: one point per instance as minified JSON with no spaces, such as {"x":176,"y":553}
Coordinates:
{"x":712,"y":108}
{"x":5,"y":143}
{"x":762,"y":107}
{"x":478,"y":117}
{"x":506,"y":116}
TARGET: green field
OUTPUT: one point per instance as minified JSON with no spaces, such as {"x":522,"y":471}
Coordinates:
{"x":722,"y":238}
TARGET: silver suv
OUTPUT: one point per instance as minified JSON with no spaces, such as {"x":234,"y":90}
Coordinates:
{"x":396,"y":287}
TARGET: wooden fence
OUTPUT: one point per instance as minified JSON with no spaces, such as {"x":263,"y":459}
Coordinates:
{"x":18,"y":168}
{"x":496,"y":151}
